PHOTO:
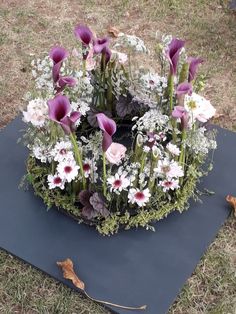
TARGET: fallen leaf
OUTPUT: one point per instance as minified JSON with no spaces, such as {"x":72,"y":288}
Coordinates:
{"x":68,"y":273}
{"x":219,"y":115}
{"x":232,"y":201}
{"x":113,"y":31}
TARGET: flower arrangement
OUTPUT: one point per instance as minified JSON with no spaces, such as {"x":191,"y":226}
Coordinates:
{"x":112,"y":144}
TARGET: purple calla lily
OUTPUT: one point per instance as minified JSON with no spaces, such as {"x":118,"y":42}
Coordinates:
{"x":64,"y":81}
{"x":59,"y":109}
{"x":84,"y":34}
{"x":184,"y":88}
{"x":173,"y":52}
{"x":108,"y":126}
{"x":100,"y":44}
{"x":58,"y":55}
{"x":181,"y":113}
{"x":193,"y":65}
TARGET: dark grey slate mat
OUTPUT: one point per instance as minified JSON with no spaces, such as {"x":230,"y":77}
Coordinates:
{"x":133,"y":268}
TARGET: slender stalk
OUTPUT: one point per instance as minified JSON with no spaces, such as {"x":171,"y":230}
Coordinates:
{"x":78,"y":158}
{"x":84,"y":68}
{"x":182,"y":154}
{"x":104,"y":174}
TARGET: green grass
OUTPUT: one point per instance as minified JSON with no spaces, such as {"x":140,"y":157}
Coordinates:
{"x":32,"y":27}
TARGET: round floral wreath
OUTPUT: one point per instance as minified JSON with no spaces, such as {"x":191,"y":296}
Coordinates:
{"x":111,"y":144}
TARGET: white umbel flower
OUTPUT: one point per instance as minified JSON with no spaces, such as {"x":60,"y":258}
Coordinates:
{"x":37,"y":112}
{"x":55,"y":181}
{"x":140,"y":197}
{"x":68,"y":170}
{"x":118,"y":182}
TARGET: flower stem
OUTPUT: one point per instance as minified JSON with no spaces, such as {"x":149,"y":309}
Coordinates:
{"x":182,"y":154}
{"x":78,"y":158}
{"x":104,"y":174}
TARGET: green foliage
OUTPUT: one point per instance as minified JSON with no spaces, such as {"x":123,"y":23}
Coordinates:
{"x":159,"y":208}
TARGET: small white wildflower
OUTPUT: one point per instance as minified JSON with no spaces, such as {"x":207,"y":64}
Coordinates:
{"x":62,"y":151}
{"x":68,"y":170}
{"x":140,"y":197}
{"x":173,"y":149}
{"x":169,"y":169}
{"x":118,"y":182}
{"x":169,"y":184}
{"x":55,"y":181}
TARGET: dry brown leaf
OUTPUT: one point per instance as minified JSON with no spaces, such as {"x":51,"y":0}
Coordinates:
{"x":68,"y":273}
{"x":113,"y":31}
{"x":219,"y":115}
{"x":232,"y":201}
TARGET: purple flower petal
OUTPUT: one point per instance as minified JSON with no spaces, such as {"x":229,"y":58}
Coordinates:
{"x":108,"y":126}
{"x":64,"y":81}
{"x":59,"y":108}
{"x":84,"y":34}
{"x":74,"y":116}
{"x":57,"y":54}
{"x":173,"y":52}
{"x":181,"y":113}
{"x":184,"y":88}
{"x":193,"y":65}
{"x":100,"y":44}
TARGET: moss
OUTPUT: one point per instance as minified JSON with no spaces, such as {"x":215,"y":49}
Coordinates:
{"x":159,"y":208}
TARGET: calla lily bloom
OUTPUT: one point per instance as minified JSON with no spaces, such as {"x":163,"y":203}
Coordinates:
{"x":64,"y":81}
{"x":100,"y":44}
{"x":181,"y":113}
{"x":184,"y":88}
{"x":84,"y":34}
{"x":193,"y":65}
{"x":173,"y":52}
{"x":59,"y":109}
{"x":108,"y":126}
{"x":58,"y":55}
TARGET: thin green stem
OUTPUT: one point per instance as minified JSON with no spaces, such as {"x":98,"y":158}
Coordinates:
{"x":78,"y":158}
{"x":104,"y":174}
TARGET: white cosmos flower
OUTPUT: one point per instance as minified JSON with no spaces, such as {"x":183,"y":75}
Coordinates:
{"x":118,"y":182}
{"x":199,"y":108}
{"x":55,"y":181}
{"x":173,"y":149}
{"x":42,"y":152}
{"x":169,"y":169}
{"x":89,"y":167}
{"x":140,"y":197}
{"x":68,"y":170}
{"x":37,"y":112}
{"x":169,"y":184}
{"x":62,"y":151}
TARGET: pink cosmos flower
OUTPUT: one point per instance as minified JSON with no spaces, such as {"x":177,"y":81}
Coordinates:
{"x":115,"y":153}
{"x":140,"y":197}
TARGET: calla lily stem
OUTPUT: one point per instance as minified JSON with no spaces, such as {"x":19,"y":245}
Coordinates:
{"x":78,"y":157}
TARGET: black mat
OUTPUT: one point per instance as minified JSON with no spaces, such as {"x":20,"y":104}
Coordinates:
{"x":134,"y":267}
